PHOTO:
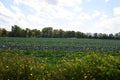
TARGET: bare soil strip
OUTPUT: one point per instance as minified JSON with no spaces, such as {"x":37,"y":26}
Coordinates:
{"x":60,"y":47}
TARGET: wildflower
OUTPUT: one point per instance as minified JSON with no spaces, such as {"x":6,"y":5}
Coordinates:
{"x":46,"y":58}
{"x":64,"y":69}
{"x":85,"y":77}
{"x":31,"y":74}
{"x":31,"y":68}
{"x":7,"y":67}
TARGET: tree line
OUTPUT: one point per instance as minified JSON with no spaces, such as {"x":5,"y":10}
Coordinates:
{"x":49,"y":32}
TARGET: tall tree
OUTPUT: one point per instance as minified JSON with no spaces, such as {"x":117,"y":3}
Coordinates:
{"x":79,"y":34}
{"x":56,"y":33}
{"x":47,"y":32}
{"x":88,"y":35}
{"x":61,"y":33}
{"x":27,"y":32}
{"x":30,"y":33}
{"x":96,"y":35}
{"x":4,"y":33}
{"x":36,"y":32}
{"x":0,"y":32}
{"x":111,"y":36}
{"x":117,"y":35}
{"x":70,"y":34}
{"x":16,"y":31}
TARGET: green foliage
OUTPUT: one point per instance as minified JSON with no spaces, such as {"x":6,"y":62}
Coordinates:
{"x":59,"y":65}
{"x":57,"y":42}
{"x":58,"y":33}
{"x":4,"y":33}
{"x":49,"y":32}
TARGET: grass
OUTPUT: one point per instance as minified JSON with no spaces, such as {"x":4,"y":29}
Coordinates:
{"x":59,"y":65}
{"x":57,"y":42}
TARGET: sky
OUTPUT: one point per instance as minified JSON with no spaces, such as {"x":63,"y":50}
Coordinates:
{"x":101,"y":16}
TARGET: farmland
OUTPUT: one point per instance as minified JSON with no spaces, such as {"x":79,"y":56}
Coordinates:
{"x":60,"y":64}
{"x":59,"y":43}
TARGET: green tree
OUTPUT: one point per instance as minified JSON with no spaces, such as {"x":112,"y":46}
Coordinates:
{"x":102,"y":36}
{"x":23,"y":33}
{"x":27,"y":32}
{"x":4,"y":33}
{"x":61,"y":33}
{"x":30,"y":33}
{"x":117,"y":35}
{"x":70,"y":34}
{"x":36,"y":33}
{"x":79,"y":34}
{"x":88,"y":35}
{"x":96,"y":35}
{"x":47,"y":32}
{"x":16,"y":31}
{"x":105,"y":36}
{"x":56,"y":33}
{"x":0,"y":32}
{"x":111,"y":36}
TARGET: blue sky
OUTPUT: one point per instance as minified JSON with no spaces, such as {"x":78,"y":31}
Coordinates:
{"x":101,"y":16}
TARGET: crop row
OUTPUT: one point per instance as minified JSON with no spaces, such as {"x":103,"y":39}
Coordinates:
{"x":60,"y":47}
{"x":57,"y":42}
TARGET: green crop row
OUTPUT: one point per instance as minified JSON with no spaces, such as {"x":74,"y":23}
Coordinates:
{"x":9,"y":41}
{"x":59,"y":65}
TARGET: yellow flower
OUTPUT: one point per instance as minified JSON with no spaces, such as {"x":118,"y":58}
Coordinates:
{"x":31,"y":74}
{"x":85,"y":77}
{"x":31,"y":68}
{"x":7,"y":66}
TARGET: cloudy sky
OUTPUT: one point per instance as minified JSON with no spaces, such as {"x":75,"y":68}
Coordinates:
{"x":78,"y":15}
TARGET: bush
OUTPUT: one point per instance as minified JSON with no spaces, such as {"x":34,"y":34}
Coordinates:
{"x":91,"y":66}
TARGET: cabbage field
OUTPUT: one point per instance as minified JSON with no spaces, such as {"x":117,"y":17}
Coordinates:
{"x":59,"y":59}
{"x":59,"y":43}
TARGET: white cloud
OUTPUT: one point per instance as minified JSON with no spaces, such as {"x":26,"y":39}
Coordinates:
{"x":53,"y":2}
{"x":8,"y":17}
{"x":56,"y":11}
{"x":107,"y":24}
{"x":96,"y":13}
{"x":77,"y":8}
{"x":116,"y":11}
{"x":84,"y":16}
{"x":89,"y":0}
{"x":65,"y":14}
{"x":5,"y":12}
{"x":106,"y":0}
{"x":69,"y":3}
{"x":87,"y":16}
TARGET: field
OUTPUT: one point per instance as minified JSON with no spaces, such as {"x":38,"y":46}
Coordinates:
{"x":57,"y":42}
{"x":61,"y":64}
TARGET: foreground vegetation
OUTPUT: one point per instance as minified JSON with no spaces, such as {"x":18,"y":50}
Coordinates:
{"x":59,"y":65}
